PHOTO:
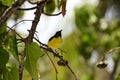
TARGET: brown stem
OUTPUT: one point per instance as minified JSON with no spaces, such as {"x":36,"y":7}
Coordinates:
{"x":38,"y":12}
{"x":47,"y":14}
{"x":26,"y":9}
{"x":29,"y":39}
{"x":72,"y":72}
{"x":53,"y":65}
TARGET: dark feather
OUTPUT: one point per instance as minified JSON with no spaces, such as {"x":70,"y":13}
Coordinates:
{"x":57,"y":34}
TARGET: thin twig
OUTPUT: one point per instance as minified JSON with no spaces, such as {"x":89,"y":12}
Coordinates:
{"x":52,"y":14}
{"x":15,"y":32}
{"x":53,"y":65}
{"x":26,"y":9}
{"x":112,"y":50}
{"x":72,"y":72}
{"x":19,"y":22}
{"x":40,"y":42}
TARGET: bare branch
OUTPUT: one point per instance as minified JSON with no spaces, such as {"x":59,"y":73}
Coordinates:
{"x":52,"y":14}
{"x":19,"y":22}
{"x":112,"y":50}
{"x":15,"y":32}
{"x":72,"y":72}
{"x":38,"y":12}
{"x":53,"y":65}
{"x":26,"y":9}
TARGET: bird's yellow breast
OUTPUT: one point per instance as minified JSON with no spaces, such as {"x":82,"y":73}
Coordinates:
{"x":55,"y":43}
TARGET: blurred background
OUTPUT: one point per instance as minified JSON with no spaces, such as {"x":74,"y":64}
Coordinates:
{"x":90,"y":29}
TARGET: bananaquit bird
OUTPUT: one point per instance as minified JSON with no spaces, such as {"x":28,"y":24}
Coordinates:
{"x":56,"y":40}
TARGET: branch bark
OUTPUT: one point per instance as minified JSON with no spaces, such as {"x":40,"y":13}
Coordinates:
{"x":38,"y":13}
{"x":29,"y":39}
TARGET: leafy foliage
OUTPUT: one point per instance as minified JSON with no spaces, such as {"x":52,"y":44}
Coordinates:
{"x":33,"y":53}
{"x":95,"y":35}
{"x":3,"y":28}
{"x":117,"y":78}
{"x":6,"y":2}
{"x":13,"y":45}
{"x":4,"y":56}
{"x":11,"y":73}
{"x":91,"y":32}
{"x":50,"y":6}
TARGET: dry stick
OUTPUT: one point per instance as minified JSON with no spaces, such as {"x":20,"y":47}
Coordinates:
{"x":19,"y":22}
{"x":72,"y":72}
{"x":113,"y":49}
{"x":52,"y":14}
{"x":32,"y":8}
{"x":42,"y":45}
{"x":15,"y":32}
{"x":10,"y":28}
{"x":29,"y":39}
{"x":10,"y":10}
{"x":53,"y":65}
{"x":26,"y":9}
{"x":38,"y":13}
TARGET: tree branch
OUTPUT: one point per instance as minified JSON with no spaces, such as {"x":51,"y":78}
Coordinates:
{"x":29,"y":39}
{"x":26,"y":9}
{"x":47,"y":14}
{"x":53,"y":65}
{"x":38,"y":13}
{"x":10,"y":10}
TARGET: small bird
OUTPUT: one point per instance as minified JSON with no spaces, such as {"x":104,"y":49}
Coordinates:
{"x":56,"y":40}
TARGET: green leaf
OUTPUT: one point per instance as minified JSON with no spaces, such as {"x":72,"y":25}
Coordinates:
{"x":118,"y":77}
{"x":59,"y":4}
{"x":7,"y":2}
{"x":33,"y":52}
{"x":50,"y":6}
{"x":11,"y":73}
{"x":13,"y":45}
{"x":4,"y":56}
{"x":3,"y":28}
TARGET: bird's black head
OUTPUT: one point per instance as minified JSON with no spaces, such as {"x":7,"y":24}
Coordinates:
{"x":58,"y":33}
